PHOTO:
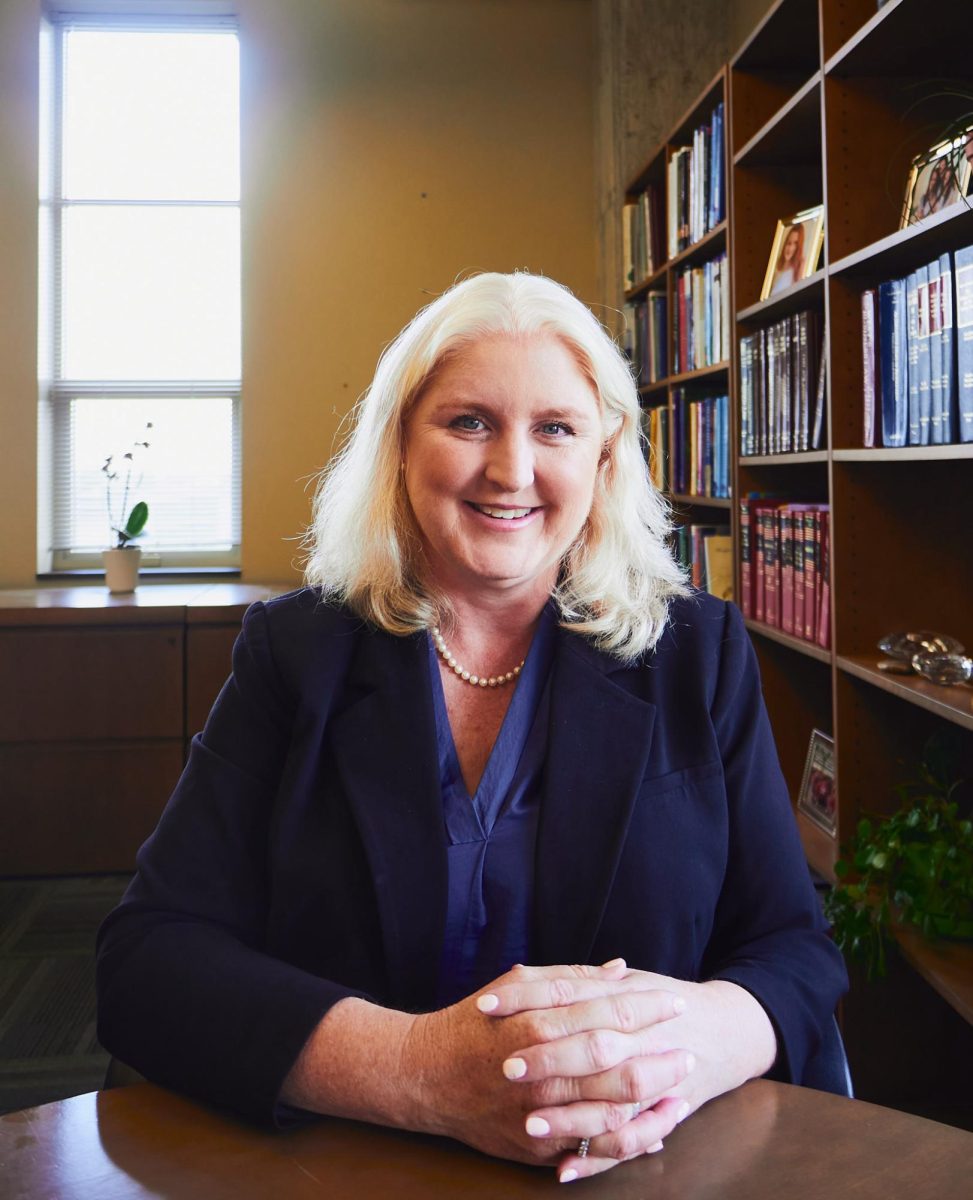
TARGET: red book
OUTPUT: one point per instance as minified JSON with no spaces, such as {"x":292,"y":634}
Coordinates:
{"x":787,"y":569}
{"x":824,"y":609}
{"x":759,"y":610}
{"x":812,"y":547}
{"x":772,"y":569}
{"x":746,"y":583}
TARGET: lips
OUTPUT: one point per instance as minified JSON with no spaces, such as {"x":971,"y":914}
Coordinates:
{"x":501,"y":514}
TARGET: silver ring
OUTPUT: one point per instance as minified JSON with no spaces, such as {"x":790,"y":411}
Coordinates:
{"x":583,"y":1148}
{"x":634,"y":1109}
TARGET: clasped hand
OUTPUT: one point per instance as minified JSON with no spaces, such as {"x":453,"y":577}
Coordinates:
{"x":546,"y":1056}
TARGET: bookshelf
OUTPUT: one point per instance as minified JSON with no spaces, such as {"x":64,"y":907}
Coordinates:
{"x":697,"y":367}
{"x":823,"y":110}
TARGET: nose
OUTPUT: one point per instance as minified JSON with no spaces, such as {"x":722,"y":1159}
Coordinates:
{"x":510,"y":462}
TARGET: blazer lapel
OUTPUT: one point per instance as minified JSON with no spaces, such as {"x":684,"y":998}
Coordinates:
{"x":598,"y":747}
{"x":384,"y":745}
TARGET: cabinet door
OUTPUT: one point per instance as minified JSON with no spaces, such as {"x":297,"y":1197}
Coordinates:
{"x":81,"y":684}
{"x":81,"y":808}
{"x":209,"y":653}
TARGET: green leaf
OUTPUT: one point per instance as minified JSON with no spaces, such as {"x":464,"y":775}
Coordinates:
{"x":136,"y":520}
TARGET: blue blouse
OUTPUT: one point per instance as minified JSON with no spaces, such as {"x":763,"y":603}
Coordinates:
{"x":490,"y":837}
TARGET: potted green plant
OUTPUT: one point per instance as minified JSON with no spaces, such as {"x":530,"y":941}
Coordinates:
{"x":912,"y":868}
{"x":123,"y":559}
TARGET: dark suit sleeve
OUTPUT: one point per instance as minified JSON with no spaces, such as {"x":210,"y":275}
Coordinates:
{"x":769,"y":936}
{"x":186,"y":996}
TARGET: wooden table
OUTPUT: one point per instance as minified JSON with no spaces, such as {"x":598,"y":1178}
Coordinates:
{"x":763,"y":1142}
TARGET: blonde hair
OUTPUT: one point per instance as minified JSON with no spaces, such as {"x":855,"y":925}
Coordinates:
{"x":364,"y":546}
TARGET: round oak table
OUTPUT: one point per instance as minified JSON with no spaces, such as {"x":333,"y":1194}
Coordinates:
{"x":762,"y":1142}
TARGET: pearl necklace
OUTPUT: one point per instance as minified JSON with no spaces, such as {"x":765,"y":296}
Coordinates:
{"x":468,"y":676}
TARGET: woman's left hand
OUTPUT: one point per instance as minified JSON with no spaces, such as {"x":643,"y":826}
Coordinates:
{"x":723,"y":1027}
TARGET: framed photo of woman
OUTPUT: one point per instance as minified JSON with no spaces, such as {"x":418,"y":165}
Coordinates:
{"x":817,"y":798}
{"x":938,"y":178}
{"x":796,"y":250}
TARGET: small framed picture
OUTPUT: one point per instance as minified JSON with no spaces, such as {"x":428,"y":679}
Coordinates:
{"x":818,"y":798}
{"x":938,"y":178}
{"x":796,"y":250}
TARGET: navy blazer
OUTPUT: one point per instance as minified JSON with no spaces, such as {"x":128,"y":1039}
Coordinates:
{"x":302,"y":857}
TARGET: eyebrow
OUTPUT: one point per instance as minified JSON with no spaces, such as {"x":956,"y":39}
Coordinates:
{"x":553,"y":412}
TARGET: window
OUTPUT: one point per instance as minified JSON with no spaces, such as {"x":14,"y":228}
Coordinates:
{"x":140,"y":283}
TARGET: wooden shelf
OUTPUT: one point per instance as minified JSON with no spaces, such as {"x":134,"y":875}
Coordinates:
{"x":903,"y":39}
{"x":700,"y":373}
{"x":783,"y":460}
{"x":647,"y":284}
{"x":652,"y":389}
{"x":946,"y":965}
{"x":707,"y":247}
{"x":954,"y":703}
{"x":811,"y":649}
{"x":791,"y":133}
{"x":955,"y":450}
{"x":907,"y":248}
{"x":784,"y":303}
{"x":700,"y":501}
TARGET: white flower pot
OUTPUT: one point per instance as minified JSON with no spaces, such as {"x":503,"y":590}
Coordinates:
{"x":122,"y":569}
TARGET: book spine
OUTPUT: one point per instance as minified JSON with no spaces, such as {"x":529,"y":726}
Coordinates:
{"x":868,"y":366}
{"x":786,"y":570}
{"x":912,"y":344}
{"x":935,"y":313}
{"x":759,"y":592}
{"x":963,"y":282}
{"x":772,"y":568}
{"x":824,"y":608}
{"x":923,"y":356}
{"x":797,"y":551}
{"x":810,"y":575}
{"x":948,"y":364}
{"x":746,"y":582}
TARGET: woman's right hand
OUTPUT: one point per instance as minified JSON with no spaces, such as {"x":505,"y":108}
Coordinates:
{"x":455,"y":1059}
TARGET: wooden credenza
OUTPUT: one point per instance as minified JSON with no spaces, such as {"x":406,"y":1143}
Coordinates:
{"x":99,"y":698}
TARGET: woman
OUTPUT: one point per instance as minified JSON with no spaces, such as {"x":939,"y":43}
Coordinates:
{"x":496,"y":729}
{"x":790,"y":262}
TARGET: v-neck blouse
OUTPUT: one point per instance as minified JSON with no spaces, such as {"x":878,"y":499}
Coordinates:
{"x":490,"y":837}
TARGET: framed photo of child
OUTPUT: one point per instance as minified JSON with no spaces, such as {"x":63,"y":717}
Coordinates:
{"x":795,"y":252}
{"x":938,"y":178}
{"x":818,"y":798}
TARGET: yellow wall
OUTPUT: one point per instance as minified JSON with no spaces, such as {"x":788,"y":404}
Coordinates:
{"x":389,"y":146}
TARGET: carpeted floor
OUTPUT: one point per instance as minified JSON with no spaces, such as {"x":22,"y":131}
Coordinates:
{"x":48,"y":1048}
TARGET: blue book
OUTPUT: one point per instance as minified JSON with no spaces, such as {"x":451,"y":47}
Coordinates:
{"x":946,"y":322}
{"x":892,"y":356}
{"x":912,"y":345}
{"x":963,"y":313}
{"x":936,"y":423}
{"x":925,"y":368}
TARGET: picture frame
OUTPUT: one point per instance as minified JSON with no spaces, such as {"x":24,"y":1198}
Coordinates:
{"x":795,"y":252}
{"x":818,"y":797}
{"x":938,"y":178}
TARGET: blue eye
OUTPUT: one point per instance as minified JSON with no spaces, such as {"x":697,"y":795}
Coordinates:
{"x":556,"y":429}
{"x":468,"y":423}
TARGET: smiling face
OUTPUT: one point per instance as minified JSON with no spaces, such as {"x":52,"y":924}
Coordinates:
{"x":791,"y":242}
{"x":501,"y":454}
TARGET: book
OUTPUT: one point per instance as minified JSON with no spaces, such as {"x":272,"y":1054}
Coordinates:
{"x":912,"y":354}
{"x":893,"y":368}
{"x":950,"y":424}
{"x":868,"y":366}
{"x":823,"y":636}
{"x":718,"y":548}
{"x":923,"y":356}
{"x":934,"y":315}
{"x":817,"y":432}
{"x":963,"y":332}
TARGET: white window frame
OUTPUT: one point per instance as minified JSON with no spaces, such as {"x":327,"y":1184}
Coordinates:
{"x":55,"y":392}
